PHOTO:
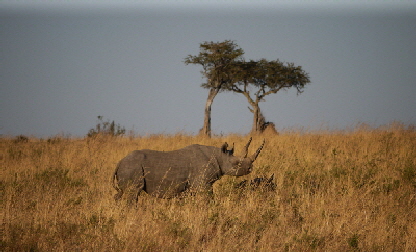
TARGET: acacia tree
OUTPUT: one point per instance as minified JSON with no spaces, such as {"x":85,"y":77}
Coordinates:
{"x":265,"y":78}
{"x":216,"y":59}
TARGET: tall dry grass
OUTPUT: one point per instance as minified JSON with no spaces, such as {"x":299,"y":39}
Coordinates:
{"x":342,"y":191}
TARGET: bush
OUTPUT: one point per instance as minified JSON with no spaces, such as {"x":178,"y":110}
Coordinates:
{"x":21,"y":139}
{"x":106,"y":128}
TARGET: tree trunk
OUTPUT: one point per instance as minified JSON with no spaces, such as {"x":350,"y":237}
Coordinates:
{"x":206,"y":129}
{"x":255,"y":109}
{"x":259,"y":121}
{"x":255,"y":128}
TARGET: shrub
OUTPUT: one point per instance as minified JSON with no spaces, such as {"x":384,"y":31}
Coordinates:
{"x":106,"y":128}
{"x":21,"y":139}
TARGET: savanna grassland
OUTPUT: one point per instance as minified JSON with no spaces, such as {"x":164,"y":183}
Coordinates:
{"x":336,"y":191}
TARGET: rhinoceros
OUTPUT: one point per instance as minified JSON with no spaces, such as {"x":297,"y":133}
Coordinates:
{"x":166,"y":174}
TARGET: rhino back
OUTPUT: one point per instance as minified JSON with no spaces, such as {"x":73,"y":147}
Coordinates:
{"x":178,"y":170}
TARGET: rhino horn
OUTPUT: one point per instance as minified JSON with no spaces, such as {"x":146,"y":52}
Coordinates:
{"x":253,"y":158}
{"x":246,"y":148}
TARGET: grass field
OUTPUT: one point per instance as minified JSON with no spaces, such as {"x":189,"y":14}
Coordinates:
{"x":336,"y":191}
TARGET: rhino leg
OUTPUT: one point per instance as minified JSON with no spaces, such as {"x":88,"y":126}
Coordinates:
{"x":133,"y":191}
{"x":128,"y":177}
{"x":131,"y":188}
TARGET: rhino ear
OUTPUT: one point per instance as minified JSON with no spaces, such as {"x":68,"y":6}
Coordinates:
{"x":224,"y":147}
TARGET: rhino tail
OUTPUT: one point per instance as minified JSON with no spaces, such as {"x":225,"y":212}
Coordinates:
{"x":114,"y":182}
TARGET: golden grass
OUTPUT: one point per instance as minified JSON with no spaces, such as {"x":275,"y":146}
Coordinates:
{"x":351,"y":191}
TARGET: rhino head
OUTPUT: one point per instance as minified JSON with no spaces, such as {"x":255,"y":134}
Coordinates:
{"x":238,"y":166}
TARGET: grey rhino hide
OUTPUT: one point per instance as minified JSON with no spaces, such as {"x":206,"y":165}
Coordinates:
{"x":167,"y":174}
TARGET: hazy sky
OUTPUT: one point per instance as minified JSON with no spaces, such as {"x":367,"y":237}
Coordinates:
{"x":63,"y":63}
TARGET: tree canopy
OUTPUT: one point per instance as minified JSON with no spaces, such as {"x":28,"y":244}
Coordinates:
{"x":216,"y":58}
{"x":267,"y":77}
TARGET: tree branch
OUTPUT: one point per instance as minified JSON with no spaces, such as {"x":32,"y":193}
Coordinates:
{"x":272,"y":91}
